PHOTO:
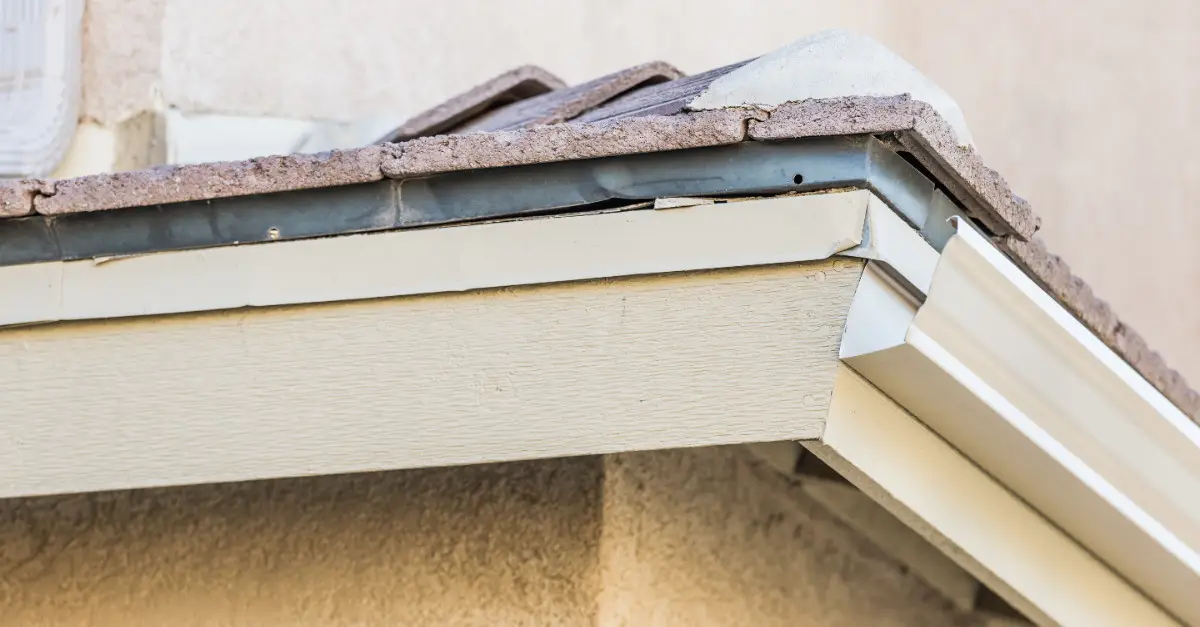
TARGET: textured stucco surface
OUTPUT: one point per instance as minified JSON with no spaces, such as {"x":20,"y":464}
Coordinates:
{"x":408,"y":56}
{"x":122,"y":58}
{"x":714,"y":537}
{"x":488,"y":545}
{"x":693,"y":537}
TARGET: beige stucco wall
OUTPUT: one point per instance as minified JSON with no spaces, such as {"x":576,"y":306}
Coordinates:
{"x":1085,"y":106}
{"x":696,"y":537}
{"x":490,"y":545}
{"x":714,"y":537}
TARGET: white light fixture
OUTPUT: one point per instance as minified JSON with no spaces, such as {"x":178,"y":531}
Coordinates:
{"x":40,"y":57}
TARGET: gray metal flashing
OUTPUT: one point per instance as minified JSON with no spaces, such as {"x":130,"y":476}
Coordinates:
{"x":748,"y":168}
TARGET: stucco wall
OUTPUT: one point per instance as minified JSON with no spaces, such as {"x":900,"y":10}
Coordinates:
{"x":696,"y":537}
{"x":489,"y":545}
{"x":1085,"y":106}
{"x":714,"y":537}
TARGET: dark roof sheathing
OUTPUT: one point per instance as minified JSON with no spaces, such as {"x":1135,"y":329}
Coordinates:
{"x":527,"y":116}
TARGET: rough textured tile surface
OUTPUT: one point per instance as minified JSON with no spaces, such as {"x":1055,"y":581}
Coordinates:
{"x":835,"y":116}
{"x":562,"y":142}
{"x":212,"y":180}
{"x":16,"y":197}
{"x":564,"y":104}
{"x":514,"y":85}
{"x":1053,"y":275}
{"x":934,"y":143}
{"x":661,"y":99}
{"x":925,"y":134}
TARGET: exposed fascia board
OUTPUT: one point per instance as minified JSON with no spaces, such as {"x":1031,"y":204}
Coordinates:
{"x":985,"y":528}
{"x":774,"y":230}
{"x":1000,"y":370}
{"x":578,"y":368}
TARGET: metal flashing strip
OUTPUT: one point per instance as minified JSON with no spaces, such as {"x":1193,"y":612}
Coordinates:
{"x":764,"y":231}
{"x":995,"y":366}
{"x":748,"y":168}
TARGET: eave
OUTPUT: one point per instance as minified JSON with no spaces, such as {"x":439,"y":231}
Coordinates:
{"x":313,"y":356}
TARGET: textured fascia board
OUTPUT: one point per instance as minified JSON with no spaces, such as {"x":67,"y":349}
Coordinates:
{"x":994,"y":365}
{"x":985,"y":528}
{"x":579,"y":368}
{"x":475,"y":256}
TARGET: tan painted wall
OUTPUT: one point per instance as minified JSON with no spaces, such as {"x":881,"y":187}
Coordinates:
{"x":1085,"y":106}
{"x":694,"y":537}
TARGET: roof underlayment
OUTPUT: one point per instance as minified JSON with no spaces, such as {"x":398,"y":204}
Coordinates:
{"x":829,"y":84}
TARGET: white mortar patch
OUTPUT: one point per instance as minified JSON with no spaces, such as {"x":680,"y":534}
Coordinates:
{"x":829,"y":64}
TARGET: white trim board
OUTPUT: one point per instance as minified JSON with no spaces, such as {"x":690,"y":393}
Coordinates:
{"x":477,"y":256}
{"x":958,"y":507}
{"x":1001,"y":371}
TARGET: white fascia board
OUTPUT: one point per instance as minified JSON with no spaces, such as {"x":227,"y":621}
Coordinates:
{"x":979,"y":523}
{"x":452,"y":259}
{"x":1006,"y":375}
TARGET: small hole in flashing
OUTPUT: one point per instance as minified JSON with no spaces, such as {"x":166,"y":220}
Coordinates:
{"x":798,"y":179}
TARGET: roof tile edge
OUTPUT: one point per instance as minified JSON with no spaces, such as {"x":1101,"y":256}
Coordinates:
{"x":520,"y":83}
{"x":564,"y":142}
{"x":206,"y":181}
{"x":17,"y":196}
{"x":562,"y":105}
{"x":927,"y":135}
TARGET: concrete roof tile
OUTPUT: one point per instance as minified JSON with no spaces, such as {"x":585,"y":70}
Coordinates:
{"x":667,"y":98}
{"x":16,"y":197}
{"x":929,"y":138}
{"x":563,"y":142}
{"x":517,"y":84}
{"x":206,"y":181}
{"x":565,"y":104}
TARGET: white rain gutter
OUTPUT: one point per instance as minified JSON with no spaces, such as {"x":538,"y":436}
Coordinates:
{"x":1001,"y":371}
